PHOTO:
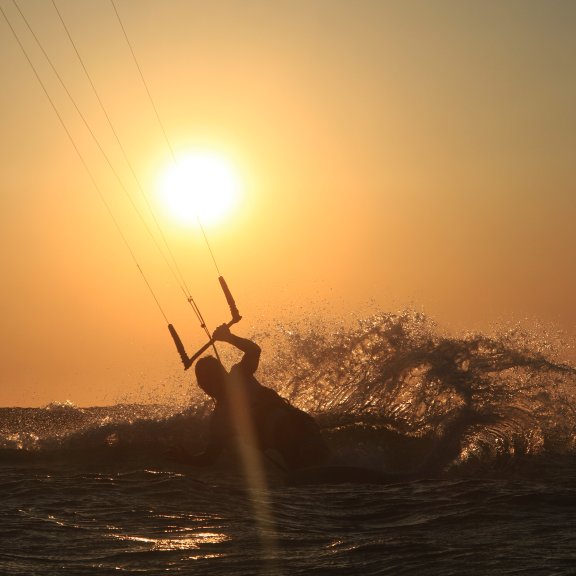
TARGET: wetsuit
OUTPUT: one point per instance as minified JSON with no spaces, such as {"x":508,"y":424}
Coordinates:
{"x":258,"y":415}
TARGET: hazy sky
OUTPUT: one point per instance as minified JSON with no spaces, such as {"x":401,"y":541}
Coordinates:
{"x":391,"y":153}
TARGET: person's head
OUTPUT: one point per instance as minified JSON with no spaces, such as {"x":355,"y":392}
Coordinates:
{"x":210,"y":375}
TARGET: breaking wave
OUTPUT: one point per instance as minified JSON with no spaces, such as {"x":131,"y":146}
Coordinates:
{"x":390,"y":392}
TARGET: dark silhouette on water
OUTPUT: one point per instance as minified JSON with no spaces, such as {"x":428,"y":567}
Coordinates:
{"x":248,"y":412}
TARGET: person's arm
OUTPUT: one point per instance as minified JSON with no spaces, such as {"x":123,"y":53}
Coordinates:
{"x":251,"y":350}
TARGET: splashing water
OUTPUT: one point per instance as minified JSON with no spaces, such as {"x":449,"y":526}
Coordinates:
{"x":475,"y":398}
{"x":390,"y":392}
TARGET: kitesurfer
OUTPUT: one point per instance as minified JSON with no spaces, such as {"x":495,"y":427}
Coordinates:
{"x":245,"y":411}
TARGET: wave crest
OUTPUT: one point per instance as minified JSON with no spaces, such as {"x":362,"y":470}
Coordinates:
{"x":390,"y":391}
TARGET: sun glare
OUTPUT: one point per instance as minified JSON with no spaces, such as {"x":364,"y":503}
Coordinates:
{"x":201,"y":186}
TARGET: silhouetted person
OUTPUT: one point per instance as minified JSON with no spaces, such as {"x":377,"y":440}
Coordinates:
{"x":247,"y":411}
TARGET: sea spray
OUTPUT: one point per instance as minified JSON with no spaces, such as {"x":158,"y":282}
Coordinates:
{"x":475,"y":398}
{"x":391,"y":392}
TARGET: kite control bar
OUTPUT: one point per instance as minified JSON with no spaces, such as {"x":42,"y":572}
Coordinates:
{"x":188,"y":361}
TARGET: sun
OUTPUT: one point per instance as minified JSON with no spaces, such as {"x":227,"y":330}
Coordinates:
{"x":200,"y":187}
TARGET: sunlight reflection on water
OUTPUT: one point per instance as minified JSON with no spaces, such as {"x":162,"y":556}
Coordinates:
{"x":187,"y":543}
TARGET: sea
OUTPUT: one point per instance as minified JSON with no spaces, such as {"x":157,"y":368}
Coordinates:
{"x":460,"y":451}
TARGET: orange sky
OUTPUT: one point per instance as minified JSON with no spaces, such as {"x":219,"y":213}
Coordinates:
{"x":398,"y":153}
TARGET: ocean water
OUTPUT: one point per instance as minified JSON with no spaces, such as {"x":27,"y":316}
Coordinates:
{"x":470,"y":444}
